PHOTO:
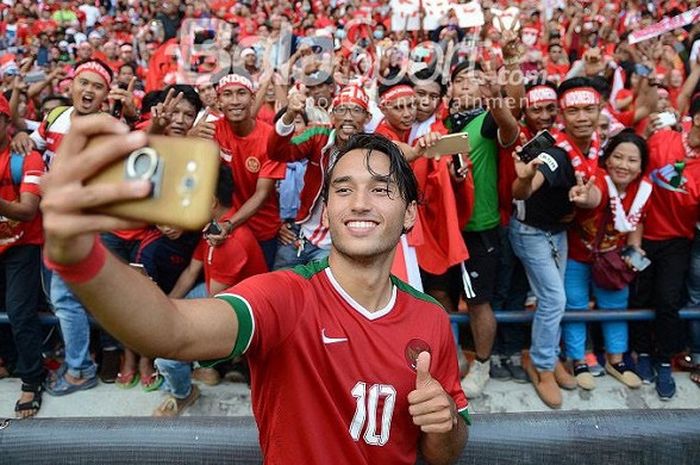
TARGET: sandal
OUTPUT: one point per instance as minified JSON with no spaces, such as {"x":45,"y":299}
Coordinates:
{"x":61,"y":387}
{"x":695,"y":375}
{"x":152,"y":383}
{"x":33,"y":405}
{"x":127,"y":380}
{"x":172,"y":406}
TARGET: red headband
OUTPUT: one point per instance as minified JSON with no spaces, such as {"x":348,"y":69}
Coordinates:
{"x":396,"y":93}
{"x":96,"y":68}
{"x":579,"y":96}
{"x":354,"y":95}
{"x":540,"y":94}
{"x":233,"y":80}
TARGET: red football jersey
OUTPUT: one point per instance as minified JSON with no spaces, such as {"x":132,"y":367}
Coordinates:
{"x":248,"y":159}
{"x":48,"y":136}
{"x":330,"y":379}
{"x":238,"y":258}
{"x":673,"y":209}
{"x":13,"y":232}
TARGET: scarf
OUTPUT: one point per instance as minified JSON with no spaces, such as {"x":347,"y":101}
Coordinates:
{"x":627,"y":222}
{"x":457,"y":121}
{"x":582,"y":164}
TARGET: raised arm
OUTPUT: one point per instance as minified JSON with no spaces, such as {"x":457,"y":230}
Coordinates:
{"x":114,"y":293}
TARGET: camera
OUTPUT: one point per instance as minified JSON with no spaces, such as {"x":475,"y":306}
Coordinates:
{"x":144,"y":164}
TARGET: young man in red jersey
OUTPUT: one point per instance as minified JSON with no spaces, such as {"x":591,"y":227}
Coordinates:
{"x":243,"y":142}
{"x":339,"y":343}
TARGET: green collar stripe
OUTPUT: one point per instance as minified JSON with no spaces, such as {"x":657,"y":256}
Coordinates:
{"x":465,"y":415}
{"x":246,"y":327}
{"x":309,"y":133}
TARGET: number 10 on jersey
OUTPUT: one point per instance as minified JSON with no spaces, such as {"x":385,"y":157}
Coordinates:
{"x":367,"y":409}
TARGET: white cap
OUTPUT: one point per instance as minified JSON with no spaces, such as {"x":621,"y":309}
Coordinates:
{"x":248,"y":51}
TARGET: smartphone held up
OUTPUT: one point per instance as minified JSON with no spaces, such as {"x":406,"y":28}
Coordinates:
{"x":183,"y":174}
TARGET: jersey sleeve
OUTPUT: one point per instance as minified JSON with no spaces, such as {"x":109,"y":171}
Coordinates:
{"x":267,"y":307}
{"x":39,"y":136}
{"x":32,"y":170}
{"x":200,"y":251}
{"x":273,"y":170}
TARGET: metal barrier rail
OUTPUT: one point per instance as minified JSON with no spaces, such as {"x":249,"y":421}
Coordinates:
{"x":502,"y":316}
{"x":642,"y":437}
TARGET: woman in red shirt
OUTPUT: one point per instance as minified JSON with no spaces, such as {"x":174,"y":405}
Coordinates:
{"x":624,"y":195}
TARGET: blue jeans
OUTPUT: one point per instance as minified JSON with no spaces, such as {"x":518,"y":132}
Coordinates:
{"x":510,"y":295}
{"x":578,"y":282}
{"x":288,"y":256}
{"x":75,"y":328}
{"x":543,"y":255}
{"x":177,"y":376}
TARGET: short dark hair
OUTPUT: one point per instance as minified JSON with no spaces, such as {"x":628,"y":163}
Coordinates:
{"x":151,"y":99}
{"x":467,"y":64}
{"x":384,"y":88}
{"x":399,"y":169}
{"x":574,"y":83}
{"x":188,"y":93}
{"x":428,"y":74}
{"x":224,"y":186}
{"x":131,"y":65}
{"x":627,"y":136}
{"x":65,"y":101}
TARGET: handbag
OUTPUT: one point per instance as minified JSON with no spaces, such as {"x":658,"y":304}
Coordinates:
{"x":609,"y":271}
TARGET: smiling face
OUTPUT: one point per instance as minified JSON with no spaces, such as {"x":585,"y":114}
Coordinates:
{"x":581,"y":120}
{"x":365,"y":211}
{"x":624,"y":164}
{"x":428,"y":98}
{"x":348,"y":120}
{"x":236,"y":103}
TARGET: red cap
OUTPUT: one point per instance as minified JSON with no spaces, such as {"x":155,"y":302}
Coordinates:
{"x":5,"y":106}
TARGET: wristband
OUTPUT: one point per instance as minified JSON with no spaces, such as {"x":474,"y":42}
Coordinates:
{"x":84,"y":270}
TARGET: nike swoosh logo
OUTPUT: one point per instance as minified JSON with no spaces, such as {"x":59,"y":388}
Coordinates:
{"x":331,"y":340}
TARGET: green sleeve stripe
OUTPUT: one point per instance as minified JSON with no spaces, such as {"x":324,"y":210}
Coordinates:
{"x":464,"y":413}
{"x":309,"y":133}
{"x":246,"y":327}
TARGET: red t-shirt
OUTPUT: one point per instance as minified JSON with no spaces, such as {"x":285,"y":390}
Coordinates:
{"x":238,"y":258}
{"x":330,"y":379}
{"x":673,"y":209}
{"x":583,"y":233}
{"x":249,"y":161}
{"x":13,"y":232}
{"x":390,"y":133}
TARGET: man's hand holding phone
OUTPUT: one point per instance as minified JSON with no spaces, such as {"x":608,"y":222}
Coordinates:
{"x":69,"y":228}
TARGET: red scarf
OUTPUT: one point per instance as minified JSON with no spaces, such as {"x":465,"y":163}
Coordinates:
{"x":583,"y":164}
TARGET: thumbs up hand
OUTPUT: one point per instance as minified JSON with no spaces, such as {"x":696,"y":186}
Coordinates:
{"x":430,"y":406}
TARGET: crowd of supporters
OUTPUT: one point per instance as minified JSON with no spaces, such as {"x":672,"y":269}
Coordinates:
{"x":602,"y":218}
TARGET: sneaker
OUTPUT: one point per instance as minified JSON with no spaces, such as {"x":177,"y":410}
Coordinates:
{"x":109,"y":368}
{"x":476,"y":379}
{"x":498,"y":370}
{"x":645,"y":369}
{"x":517,"y":372}
{"x":665,"y":384}
{"x":622,"y":373}
{"x":593,"y":366}
{"x":584,"y":378}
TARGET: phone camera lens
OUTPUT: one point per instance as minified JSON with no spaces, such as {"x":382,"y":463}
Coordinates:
{"x":142,"y":164}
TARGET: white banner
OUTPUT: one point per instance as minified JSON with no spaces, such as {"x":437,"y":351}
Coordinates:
{"x":665,"y":25}
{"x":469,"y":14}
{"x":404,"y":15}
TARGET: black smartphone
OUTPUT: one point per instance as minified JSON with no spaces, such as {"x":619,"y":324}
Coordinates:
{"x":118,"y":106}
{"x":213,"y":229}
{"x":536,"y":145}
{"x":638,"y":261}
{"x":457,"y":164}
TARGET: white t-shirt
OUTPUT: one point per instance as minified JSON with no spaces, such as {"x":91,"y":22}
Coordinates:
{"x":92,"y":14}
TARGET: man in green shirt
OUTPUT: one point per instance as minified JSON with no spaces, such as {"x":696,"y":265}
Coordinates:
{"x":479,"y":109}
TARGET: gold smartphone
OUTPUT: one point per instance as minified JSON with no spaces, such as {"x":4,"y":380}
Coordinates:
{"x":183,"y":172}
{"x":449,"y":145}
